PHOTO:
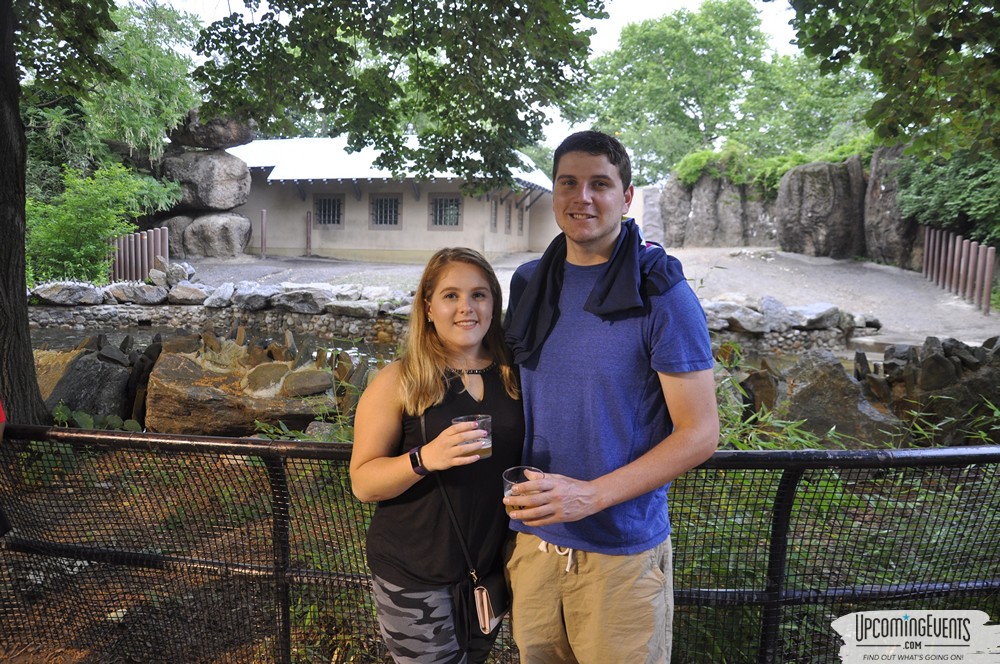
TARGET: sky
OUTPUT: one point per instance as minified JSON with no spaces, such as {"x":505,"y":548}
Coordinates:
{"x":775,"y":16}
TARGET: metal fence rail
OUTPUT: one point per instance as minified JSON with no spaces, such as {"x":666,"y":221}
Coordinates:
{"x":155,"y":548}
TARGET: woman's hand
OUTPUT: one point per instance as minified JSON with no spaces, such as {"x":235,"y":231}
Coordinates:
{"x":458,"y":445}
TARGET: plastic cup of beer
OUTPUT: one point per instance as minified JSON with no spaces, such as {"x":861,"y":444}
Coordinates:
{"x":485,"y":425}
{"x":513,"y":476}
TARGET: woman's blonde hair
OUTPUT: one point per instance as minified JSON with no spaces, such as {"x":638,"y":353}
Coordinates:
{"x":424,"y":360}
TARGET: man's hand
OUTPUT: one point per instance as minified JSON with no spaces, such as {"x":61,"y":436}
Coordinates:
{"x":548,"y":499}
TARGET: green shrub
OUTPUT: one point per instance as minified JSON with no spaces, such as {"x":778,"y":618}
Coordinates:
{"x":70,"y":238}
{"x":695,"y":164}
{"x":961,"y":194}
{"x":736,"y":163}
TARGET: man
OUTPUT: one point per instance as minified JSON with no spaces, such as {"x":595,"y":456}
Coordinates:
{"x":616,"y":370}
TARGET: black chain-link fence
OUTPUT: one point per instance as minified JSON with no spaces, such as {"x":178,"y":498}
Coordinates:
{"x":149,"y":548}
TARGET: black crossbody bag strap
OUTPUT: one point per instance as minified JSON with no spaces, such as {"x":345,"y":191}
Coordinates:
{"x":451,"y":512}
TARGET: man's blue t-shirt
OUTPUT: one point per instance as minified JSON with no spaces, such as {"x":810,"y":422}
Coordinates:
{"x":593,"y":402}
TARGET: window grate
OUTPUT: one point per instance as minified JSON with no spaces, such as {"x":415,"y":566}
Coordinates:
{"x":385,"y":211}
{"x":329,"y":210}
{"x":446,"y":212}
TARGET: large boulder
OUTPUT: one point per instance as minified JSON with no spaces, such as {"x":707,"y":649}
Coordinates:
{"x":824,"y":396}
{"x":83,"y":380}
{"x":184,"y":398}
{"x":714,"y":213}
{"x":68,"y":293}
{"x":176,"y":226}
{"x":215,"y":134}
{"x":225,"y":234}
{"x":889,"y":238}
{"x":210,"y":180}
{"x":820,"y":209}
{"x":135,"y":292}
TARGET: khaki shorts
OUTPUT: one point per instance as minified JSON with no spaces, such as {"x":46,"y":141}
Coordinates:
{"x":591,"y":608}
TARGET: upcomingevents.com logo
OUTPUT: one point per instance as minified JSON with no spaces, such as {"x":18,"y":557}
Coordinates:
{"x":919,"y":636}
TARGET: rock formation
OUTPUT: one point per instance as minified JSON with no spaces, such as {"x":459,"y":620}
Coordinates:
{"x":889,"y":238}
{"x":210,"y":179}
{"x":945,"y":384}
{"x":202,"y":384}
{"x":714,"y":213}
{"x":213,"y":182}
{"x":820,"y":209}
{"x":215,"y":134}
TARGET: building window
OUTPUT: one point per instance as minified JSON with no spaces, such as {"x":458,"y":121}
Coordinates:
{"x":328,"y":210}
{"x":446,"y":212}
{"x":506,"y":220}
{"x":520,"y":220}
{"x":385,"y":211}
{"x":494,"y":213}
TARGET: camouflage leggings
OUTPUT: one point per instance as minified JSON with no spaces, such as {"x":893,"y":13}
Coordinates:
{"x":418,"y":626}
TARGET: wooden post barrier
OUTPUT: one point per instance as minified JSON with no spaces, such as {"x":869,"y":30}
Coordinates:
{"x":309,"y":232}
{"x":991,"y":260}
{"x":263,"y":233}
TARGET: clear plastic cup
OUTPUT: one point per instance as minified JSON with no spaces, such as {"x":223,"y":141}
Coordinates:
{"x":485,"y":424}
{"x":512,"y":476}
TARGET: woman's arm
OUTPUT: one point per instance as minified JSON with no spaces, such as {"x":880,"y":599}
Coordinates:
{"x":378,"y":471}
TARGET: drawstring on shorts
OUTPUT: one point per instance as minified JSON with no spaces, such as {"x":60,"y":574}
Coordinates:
{"x":559,"y":550}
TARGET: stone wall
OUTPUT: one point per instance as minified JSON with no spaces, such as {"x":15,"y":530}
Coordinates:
{"x":379,"y":329}
{"x":372,"y":314}
{"x":756,"y":331}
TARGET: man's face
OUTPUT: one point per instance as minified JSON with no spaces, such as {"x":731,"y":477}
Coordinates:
{"x":588,"y":201}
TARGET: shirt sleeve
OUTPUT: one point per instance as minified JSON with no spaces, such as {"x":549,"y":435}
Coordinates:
{"x":679,"y":338}
{"x":3,"y":418}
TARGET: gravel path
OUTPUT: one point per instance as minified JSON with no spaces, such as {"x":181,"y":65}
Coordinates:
{"x":909,"y":307}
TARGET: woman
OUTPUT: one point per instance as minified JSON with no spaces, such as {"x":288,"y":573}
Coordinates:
{"x":455,"y":363}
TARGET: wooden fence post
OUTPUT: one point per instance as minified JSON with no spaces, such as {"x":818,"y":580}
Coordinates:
{"x":263,"y":233}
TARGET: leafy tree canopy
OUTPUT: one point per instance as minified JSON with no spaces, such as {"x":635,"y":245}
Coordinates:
{"x":74,"y":127}
{"x":148,"y":50}
{"x":468,"y":80}
{"x":673,"y":83}
{"x":57,"y":43}
{"x":936,"y":62}
{"x":792,"y":106}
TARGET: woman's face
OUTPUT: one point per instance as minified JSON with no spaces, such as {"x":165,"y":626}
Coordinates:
{"x":461,"y":307}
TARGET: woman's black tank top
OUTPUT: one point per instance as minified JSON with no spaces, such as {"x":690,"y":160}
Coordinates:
{"x":411,"y":541}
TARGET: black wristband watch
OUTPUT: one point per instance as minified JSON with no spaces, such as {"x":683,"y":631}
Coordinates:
{"x":415,"y":463}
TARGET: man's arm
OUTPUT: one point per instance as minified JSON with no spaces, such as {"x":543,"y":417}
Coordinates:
{"x":690,"y":398}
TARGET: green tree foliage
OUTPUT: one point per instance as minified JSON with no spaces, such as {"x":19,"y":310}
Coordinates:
{"x":70,"y":238}
{"x":792,"y":106}
{"x":77,"y":129}
{"x":961,"y":194}
{"x":158,"y":86}
{"x":674,"y":83}
{"x":739,"y":165}
{"x":541,"y":156}
{"x":936,"y":62}
{"x":468,"y":80}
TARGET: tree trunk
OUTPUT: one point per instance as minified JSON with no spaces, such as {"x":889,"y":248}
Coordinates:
{"x":18,"y":383}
